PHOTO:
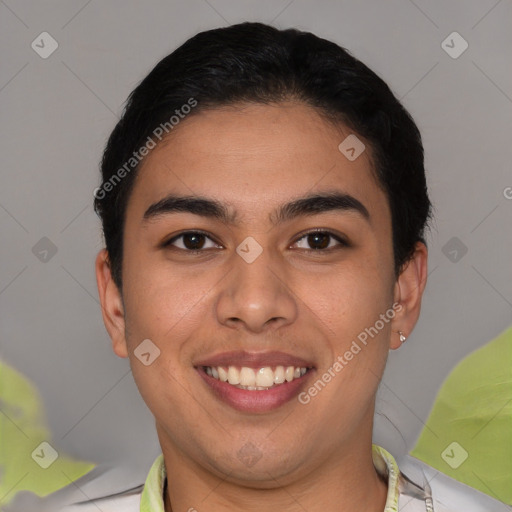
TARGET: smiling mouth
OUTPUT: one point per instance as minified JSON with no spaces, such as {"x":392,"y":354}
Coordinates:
{"x":255,"y":379}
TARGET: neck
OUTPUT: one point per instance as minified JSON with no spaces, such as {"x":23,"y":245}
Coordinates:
{"x":362,"y":491}
{"x":346,"y":481}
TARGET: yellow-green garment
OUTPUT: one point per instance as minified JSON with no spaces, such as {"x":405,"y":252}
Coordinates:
{"x":22,"y":429}
{"x":468,"y":434}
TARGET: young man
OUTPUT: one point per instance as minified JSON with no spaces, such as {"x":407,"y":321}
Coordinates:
{"x":263,"y":204}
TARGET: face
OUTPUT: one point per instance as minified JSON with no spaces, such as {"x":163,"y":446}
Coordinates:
{"x":241,"y":287}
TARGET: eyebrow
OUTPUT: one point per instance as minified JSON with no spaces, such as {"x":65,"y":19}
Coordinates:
{"x":211,"y":208}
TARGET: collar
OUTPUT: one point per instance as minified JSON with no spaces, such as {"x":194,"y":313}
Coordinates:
{"x":152,"y":495}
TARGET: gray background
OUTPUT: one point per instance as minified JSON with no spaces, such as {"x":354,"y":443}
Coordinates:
{"x":57,"y":113}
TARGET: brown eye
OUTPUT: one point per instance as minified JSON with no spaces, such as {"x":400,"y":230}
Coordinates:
{"x":191,"y":241}
{"x":321,"y":240}
{"x":318,"y":240}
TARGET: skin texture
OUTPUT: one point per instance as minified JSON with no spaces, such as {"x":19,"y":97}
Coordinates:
{"x":313,"y":304}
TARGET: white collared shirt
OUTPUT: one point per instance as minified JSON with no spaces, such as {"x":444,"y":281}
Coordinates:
{"x":405,"y":494}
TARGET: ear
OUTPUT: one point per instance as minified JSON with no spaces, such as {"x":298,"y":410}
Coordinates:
{"x":408,"y":292}
{"x":111,"y":304}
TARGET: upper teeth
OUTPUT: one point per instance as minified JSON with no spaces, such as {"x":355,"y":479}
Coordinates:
{"x":248,"y":378}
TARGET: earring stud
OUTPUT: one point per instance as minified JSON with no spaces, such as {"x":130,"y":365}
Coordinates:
{"x":402,"y":337}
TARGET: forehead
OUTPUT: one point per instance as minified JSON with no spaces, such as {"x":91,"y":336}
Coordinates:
{"x":252,"y":157}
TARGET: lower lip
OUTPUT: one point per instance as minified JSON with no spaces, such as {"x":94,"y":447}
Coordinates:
{"x":257,"y":400}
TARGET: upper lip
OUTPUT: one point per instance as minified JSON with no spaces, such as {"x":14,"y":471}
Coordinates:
{"x":254,"y":359}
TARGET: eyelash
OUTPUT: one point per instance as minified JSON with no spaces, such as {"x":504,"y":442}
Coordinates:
{"x":341,"y":242}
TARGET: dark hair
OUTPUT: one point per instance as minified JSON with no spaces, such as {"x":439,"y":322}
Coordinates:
{"x":254,"y":62}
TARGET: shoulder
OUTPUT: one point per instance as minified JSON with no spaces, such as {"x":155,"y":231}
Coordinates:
{"x":105,"y":488}
{"x":448,"y":494}
{"x":414,"y":486}
{"x":125,"y":502}
{"x":113,"y":489}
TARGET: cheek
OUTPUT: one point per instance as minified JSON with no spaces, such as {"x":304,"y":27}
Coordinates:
{"x":157,"y":294}
{"x":161,"y":313}
{"x":171,"y":309}
{"x":350,"y":304}
{"x":158,"y":385}
{"x":165,"y":312}
{"x":351,"y":297}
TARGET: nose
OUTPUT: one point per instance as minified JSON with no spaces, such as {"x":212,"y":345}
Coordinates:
{"x":256,"y":296}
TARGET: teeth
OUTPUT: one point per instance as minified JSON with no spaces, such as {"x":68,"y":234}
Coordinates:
{"x":279,"y":375}
{"x":233,"y":375}
{"x":265,"y":377}
{"x":247,"y":377}
{"x":250,"y":379}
